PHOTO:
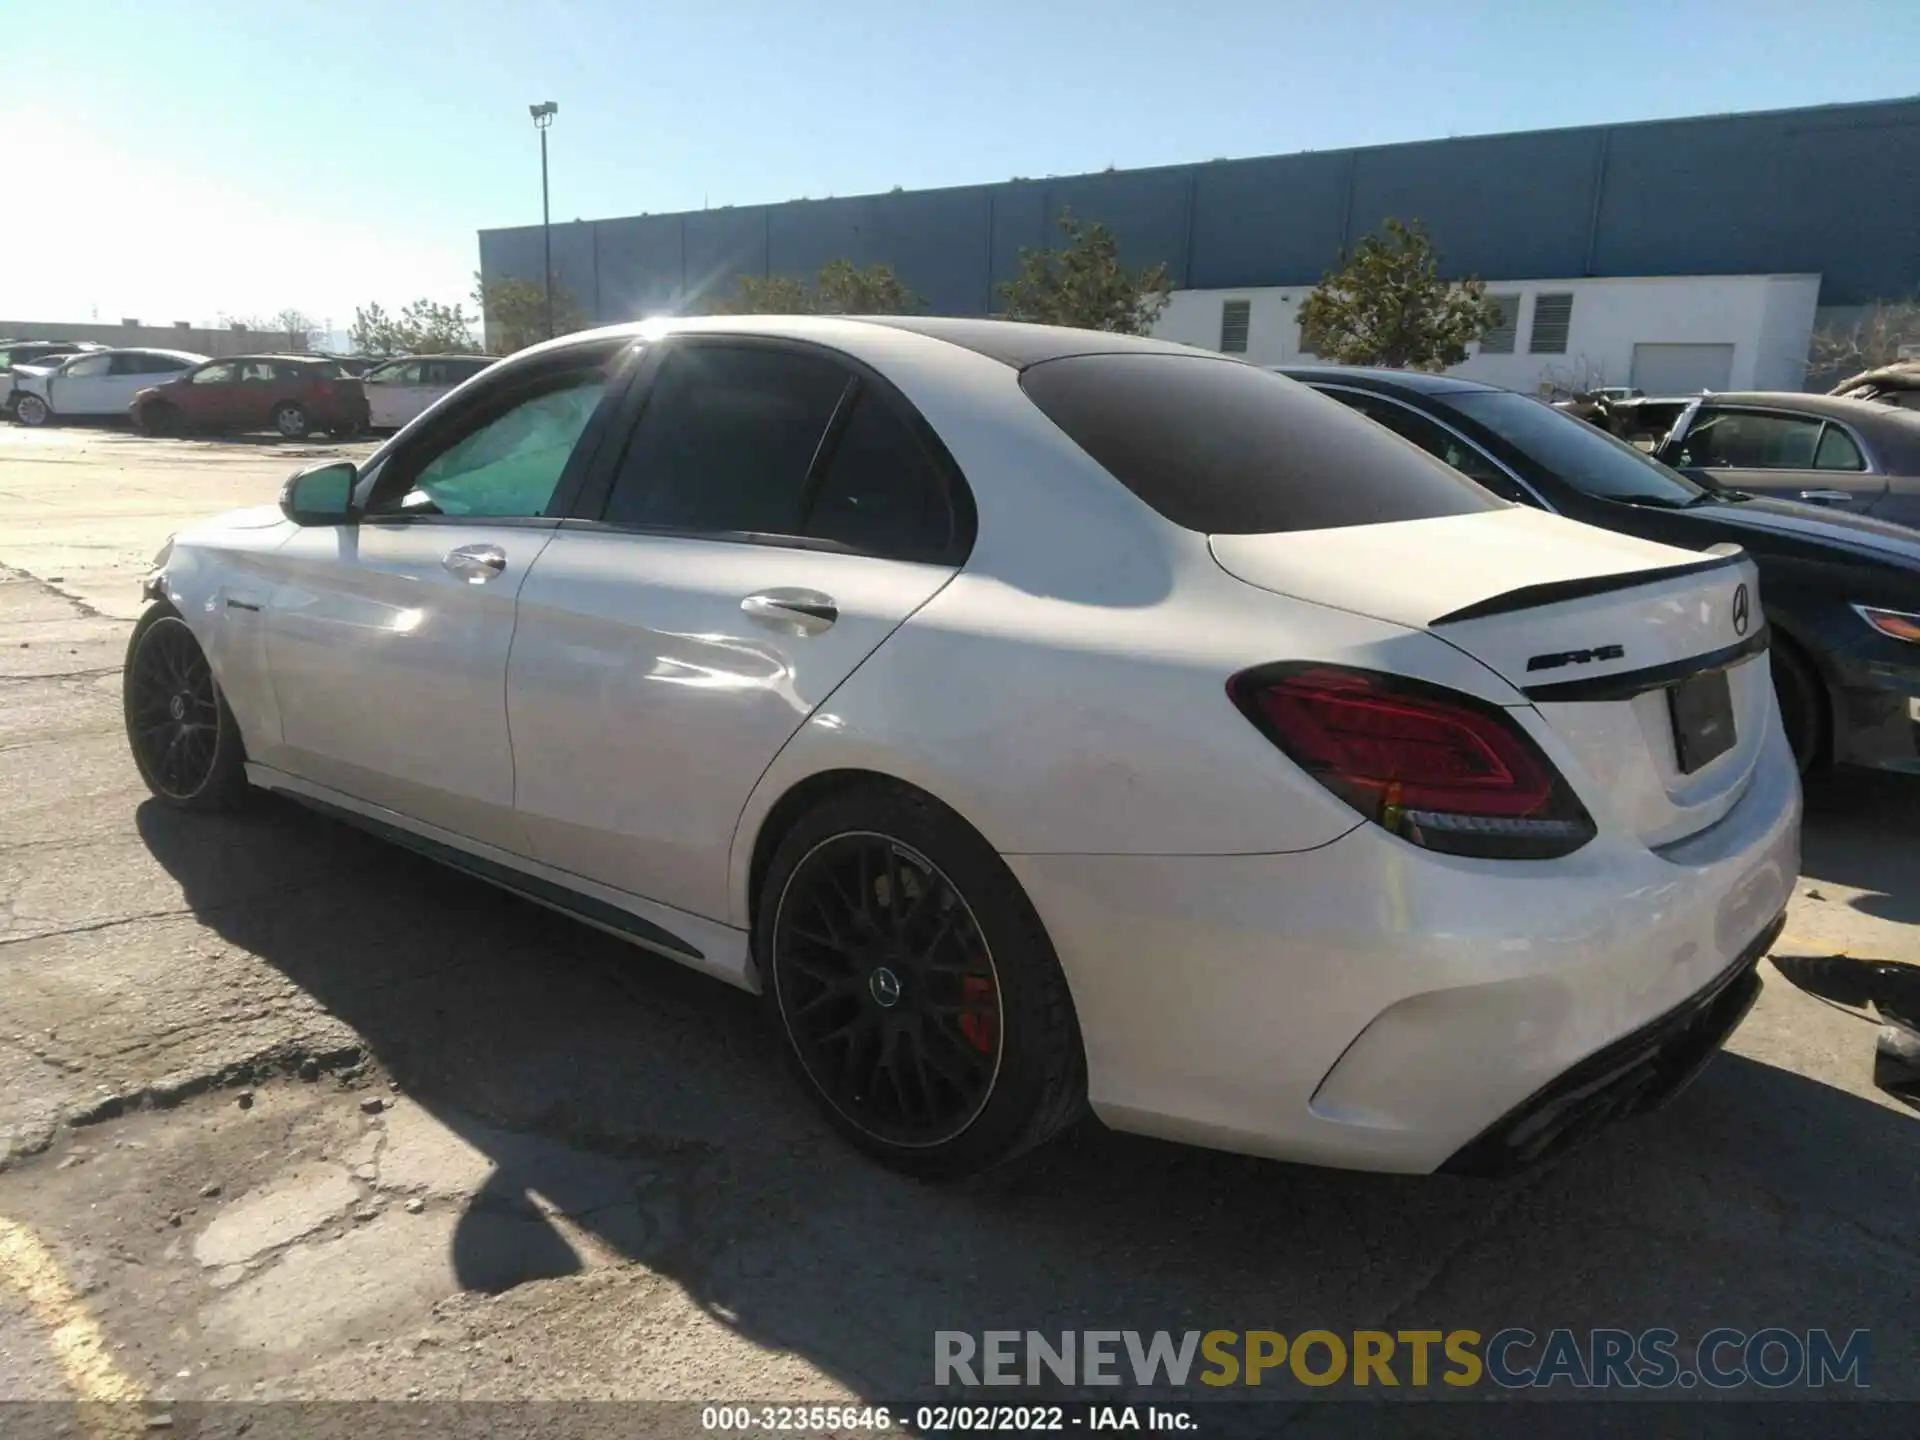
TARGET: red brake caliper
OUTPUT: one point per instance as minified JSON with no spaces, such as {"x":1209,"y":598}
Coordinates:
{"x":978,"y":1025}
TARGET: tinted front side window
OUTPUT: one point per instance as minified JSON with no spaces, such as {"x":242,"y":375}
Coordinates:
{"x":726,"y":441}
{"x":510,"y":465}
{"x":1589,"y":460}
{"x":1225,"y":448}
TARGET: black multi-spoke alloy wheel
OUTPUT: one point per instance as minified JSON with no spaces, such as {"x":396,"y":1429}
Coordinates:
{"x":915,"y":987}
{"x":183,"y":736}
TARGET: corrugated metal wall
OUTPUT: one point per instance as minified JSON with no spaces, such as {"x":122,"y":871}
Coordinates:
{"x":1830,"y":190}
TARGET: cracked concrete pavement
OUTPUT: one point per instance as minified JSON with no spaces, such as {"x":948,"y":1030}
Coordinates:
{"x":300,"y":1115}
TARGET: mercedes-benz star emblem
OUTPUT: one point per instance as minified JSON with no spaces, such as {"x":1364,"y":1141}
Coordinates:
{"x":885,"y":987}
{"x":1740,"y":616}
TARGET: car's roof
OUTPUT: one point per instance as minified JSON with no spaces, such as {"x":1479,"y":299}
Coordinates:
{"x":1020,"y":344}
{"x":188,"y":355}
{"x":1423,"y":382}
{"x":1865,"y":413}
{"x":1010,"y":342}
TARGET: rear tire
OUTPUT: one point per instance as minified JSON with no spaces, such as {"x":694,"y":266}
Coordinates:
{"x":184,"y":739}
{"x":32,"y":411}
{"x":1803,"y":704}
{"x":290,"y":419}
{"x":915,"y":991}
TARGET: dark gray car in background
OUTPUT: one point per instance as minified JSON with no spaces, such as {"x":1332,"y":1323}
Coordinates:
{"x":1824,"y":450}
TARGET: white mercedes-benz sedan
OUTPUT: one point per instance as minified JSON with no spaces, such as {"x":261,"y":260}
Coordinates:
{"x":1039,"y":719}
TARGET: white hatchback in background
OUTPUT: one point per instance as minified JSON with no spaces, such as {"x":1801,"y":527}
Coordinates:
{"x":102,"y":382}
{"x":399,"y":390}
{"x":1038,"y":719}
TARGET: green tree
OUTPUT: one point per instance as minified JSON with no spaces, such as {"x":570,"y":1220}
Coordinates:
{"x":1084,"y":284}
{"x":841,"y":288}
{"x":426,"y":327}
{"x":768,"y":295}
{"x":431,"y":328}
{"x":1387,"y":305}
{"x":374,"y":331}
{"x":515,"y":312}
{"x":844,"y":289}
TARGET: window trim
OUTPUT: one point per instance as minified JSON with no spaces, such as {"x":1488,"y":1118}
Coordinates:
{"x":1706,"y":405}
{"x":596,"y":492}
{"x":1426,"y":415}
{"x":500,"y":393}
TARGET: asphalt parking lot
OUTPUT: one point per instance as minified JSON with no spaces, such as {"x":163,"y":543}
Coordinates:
{"x":285,"y":1112}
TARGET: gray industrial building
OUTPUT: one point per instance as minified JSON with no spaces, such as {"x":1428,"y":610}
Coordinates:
{"x":1831,"y":191}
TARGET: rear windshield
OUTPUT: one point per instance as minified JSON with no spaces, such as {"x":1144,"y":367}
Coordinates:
{"x":1227,"y":449}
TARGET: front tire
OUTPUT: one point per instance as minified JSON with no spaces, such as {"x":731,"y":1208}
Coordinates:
{"x":183,"y":737}
{"x":290,"y":419}
{"x":160,"y":420}
{"x":915,"y":990}
{"x":32,"y":411}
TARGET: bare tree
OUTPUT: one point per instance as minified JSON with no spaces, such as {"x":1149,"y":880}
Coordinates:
{"x":302,"y":332}
{"x":1874,"y":339}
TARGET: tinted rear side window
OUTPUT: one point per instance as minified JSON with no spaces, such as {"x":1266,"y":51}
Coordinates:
{"x":880,"y":494}
{"x":1228,"y":449}
{"x":726,"y":441}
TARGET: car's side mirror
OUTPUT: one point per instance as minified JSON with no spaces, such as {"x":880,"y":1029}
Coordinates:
{"x":322,"y":495}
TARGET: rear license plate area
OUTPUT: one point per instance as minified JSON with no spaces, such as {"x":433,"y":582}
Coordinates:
{"x":1702,"y":710}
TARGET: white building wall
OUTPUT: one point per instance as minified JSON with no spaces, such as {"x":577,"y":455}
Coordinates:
{"x":1767,"y":319}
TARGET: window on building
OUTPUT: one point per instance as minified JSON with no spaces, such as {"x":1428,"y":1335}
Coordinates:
{"x":1236,"y":318}
{"x":1498,"y":339}
{"x":1552,"y":316}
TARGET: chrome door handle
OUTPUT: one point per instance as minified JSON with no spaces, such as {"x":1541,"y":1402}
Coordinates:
{"x":806,"y":611}
{"x":476,"y":564}
{"x":1826,"y":497}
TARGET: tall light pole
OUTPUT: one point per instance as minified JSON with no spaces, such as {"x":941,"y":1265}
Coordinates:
{"x":543,"y":114}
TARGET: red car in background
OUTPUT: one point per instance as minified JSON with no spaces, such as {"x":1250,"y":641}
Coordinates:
{"x":291,"y":394}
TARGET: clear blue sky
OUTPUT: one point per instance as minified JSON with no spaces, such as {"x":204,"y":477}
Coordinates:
{"x":195,"y":157}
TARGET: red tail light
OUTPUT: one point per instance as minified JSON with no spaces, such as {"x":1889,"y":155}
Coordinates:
{"x":1438,"y":768}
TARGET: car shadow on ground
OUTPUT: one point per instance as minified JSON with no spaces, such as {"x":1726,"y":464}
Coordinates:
{"x":1863,"y":830}
{"x":1758,"y":1198}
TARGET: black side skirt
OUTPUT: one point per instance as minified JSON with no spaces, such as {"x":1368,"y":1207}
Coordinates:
{"x":533,"y":887}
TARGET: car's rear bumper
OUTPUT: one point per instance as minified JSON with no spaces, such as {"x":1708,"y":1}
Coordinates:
{"x":1374,"y":1005}
{"x":1636,"y":1074}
